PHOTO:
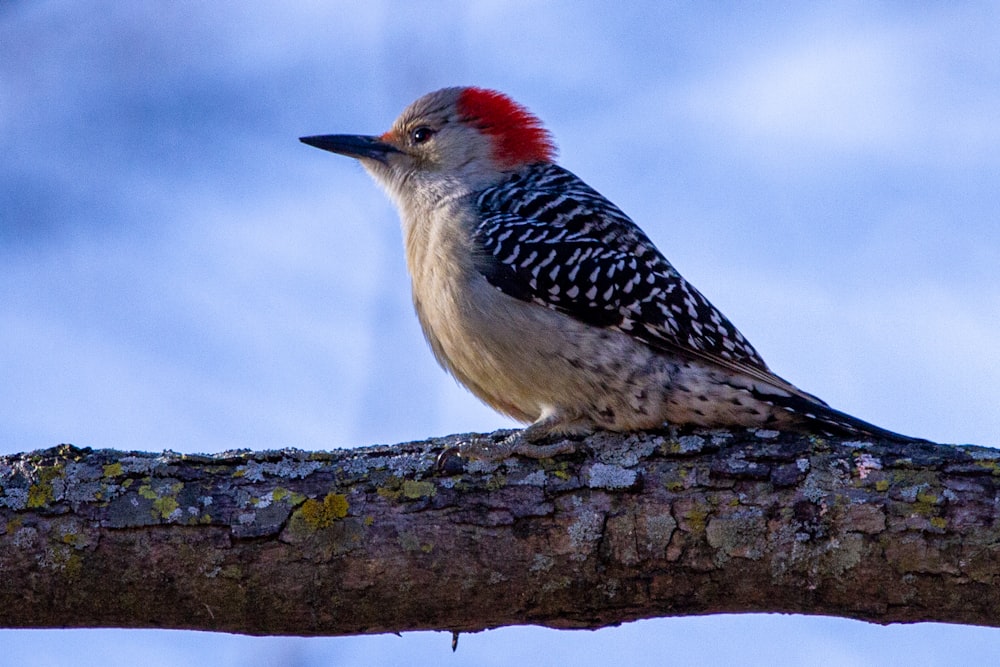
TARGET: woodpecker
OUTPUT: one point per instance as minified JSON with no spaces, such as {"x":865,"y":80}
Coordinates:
{"x":546,"y":301}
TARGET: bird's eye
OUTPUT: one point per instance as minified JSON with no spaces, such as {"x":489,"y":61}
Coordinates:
{"x":421,"y":134}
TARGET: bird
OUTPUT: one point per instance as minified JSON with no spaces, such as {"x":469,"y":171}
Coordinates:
{"x":547,"y":301}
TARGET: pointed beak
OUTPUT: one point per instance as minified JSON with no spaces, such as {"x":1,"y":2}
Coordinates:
{"x":352,"y":145}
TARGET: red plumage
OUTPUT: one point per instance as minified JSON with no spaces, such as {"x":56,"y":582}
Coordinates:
{"x":519,"y":137}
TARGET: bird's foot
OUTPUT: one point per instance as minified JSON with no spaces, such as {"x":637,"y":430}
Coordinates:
{"x":480,"y":448}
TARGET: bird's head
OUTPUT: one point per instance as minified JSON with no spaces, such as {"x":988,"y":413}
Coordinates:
{"x":449,"y":142}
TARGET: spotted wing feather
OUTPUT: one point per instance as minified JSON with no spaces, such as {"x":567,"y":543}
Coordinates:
{"x":547,"y":237}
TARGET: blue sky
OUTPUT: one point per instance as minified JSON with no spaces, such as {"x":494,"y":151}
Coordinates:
{"x":178,"y":272}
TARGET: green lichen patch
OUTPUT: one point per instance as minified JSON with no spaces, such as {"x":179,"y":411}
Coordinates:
{"x":281,"y":493}
{"x":113,"y":470}
{"x":392,"y":489}
{"x":396,"y":488}
{"x":163,"y":497}
{"x":412,"y":543}
{"x":414,"y":490}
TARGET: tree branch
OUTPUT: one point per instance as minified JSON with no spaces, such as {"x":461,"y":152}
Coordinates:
{"x":382,"y":540}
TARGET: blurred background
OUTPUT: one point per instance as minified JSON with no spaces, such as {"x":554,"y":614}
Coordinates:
{"x":178,"y":272}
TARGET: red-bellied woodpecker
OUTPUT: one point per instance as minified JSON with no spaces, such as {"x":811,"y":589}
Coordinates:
{"x":548,"y":302}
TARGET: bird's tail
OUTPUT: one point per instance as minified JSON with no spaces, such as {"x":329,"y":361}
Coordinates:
{"x":817,"y":416}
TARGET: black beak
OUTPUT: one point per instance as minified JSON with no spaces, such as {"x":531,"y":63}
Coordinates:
{"x":352,"y":145}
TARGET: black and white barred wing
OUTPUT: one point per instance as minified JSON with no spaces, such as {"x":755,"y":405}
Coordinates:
{"x":548,"y":238}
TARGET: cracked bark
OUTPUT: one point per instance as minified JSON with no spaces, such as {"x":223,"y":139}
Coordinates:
{"x":381,"y":540}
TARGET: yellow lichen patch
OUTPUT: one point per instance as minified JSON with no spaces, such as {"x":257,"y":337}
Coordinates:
{"x":392,"y":489}
{"x":316,"y":514}
{"x":497,"y":482}
{"x":41,"y":494}
{"x":204,"y":519}
{"x":559,"y":469}
{"x":414,"y":490}
{"x":927,"y":503}
{"x":72,"y":539}
{"x":113,"y":470}
{"x":281,"y":493}
{"x":679,"y":483}
{"x":164,"y":507}
{"x":882,"y":485}
{"x":387,"y":493}
{"x":939,"y":522}
{"x":696,"y":518}
{"x":989,"y":464}
{"x":927,"y":497}
{"x":68,"y":561}
{"x":164,"y":501}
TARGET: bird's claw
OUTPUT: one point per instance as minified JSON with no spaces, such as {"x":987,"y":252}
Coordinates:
{"x":479,"y":448}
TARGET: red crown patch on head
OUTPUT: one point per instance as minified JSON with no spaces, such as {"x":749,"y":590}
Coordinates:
{"x":518,"y":135}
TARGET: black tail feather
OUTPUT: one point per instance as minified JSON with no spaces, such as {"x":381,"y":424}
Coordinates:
{"x":818,"y":417}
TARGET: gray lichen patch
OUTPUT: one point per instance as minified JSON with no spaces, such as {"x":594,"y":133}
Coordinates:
{"x":604,"y":476}
{"x":624,"y":451}
{"x":740,"y":534}
{"x":267,"y":520}
{"x":16,"y":498}
{"x":535,"y":478}
{"x":584,"y":532}
{"x":286,"y":468}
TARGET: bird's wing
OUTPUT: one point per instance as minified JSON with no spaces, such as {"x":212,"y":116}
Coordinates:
{"x":548,"y":238}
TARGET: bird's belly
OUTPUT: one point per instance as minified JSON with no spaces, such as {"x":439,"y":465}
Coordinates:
{"x":525,"y":360}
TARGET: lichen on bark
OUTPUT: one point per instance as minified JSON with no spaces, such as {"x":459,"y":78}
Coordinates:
{"x":384,"y":539}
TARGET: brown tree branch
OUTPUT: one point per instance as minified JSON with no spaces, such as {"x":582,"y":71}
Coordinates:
{"x":382,"y":540}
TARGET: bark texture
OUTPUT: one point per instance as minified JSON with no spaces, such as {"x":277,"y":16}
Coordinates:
{"x":382,"y":539}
